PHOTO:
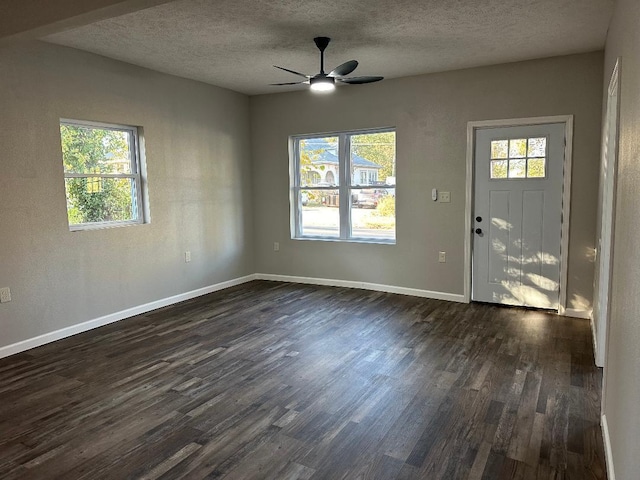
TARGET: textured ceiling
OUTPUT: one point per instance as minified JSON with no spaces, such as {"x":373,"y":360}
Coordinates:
{"x":234,"y":43}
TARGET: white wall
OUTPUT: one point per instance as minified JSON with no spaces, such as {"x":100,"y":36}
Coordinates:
{"x":622,"y":366}
{"x":197,"y":139}
{"x":430,"y":113}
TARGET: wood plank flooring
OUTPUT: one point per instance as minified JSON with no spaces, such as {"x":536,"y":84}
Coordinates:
{"x":282,"y":381}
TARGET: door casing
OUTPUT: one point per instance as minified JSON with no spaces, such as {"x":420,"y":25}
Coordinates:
{"x":567,"y":120}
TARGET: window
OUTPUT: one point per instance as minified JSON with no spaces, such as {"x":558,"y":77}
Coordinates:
{"x":312,"y":177}
{"x":518,"y":158}
{"x":101,"y":174}
{"x":360,"y":202}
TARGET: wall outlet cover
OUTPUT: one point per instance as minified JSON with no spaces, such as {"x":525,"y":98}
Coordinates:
{"x":5,"y":295}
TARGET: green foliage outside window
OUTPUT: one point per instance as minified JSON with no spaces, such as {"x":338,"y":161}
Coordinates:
{"x":92,"y":153}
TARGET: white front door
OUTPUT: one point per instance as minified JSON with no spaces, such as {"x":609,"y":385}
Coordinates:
{"x":518,"y":215}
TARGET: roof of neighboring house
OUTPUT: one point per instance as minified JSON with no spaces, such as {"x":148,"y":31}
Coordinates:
{"x":324,"y":153}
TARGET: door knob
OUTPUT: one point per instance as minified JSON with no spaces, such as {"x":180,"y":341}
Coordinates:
{"x":479,"y":231}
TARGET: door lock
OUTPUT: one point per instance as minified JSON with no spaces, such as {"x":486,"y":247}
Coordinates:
{"x":479,"y":231}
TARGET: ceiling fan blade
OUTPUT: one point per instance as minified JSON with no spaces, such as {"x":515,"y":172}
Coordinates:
{"x":288,"y":83}
{"x":359,"y":80}
{"x":345,"y":69}
{"x":292,"y":71}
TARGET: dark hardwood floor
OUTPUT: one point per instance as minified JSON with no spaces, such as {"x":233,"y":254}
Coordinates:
{"x":284,"y":381}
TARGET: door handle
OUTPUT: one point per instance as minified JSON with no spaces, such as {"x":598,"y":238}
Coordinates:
{"x":479,"y":231}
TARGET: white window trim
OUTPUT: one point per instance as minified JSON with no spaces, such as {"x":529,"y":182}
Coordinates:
{"x":136,"y":174}
{"x":344,"y":187}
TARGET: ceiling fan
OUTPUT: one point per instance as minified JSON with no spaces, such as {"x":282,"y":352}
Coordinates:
{"x":326,"y":82}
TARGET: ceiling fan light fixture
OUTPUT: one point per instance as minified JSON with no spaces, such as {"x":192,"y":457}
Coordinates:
{"x":323,"y":84}
{"x":326,"y":82}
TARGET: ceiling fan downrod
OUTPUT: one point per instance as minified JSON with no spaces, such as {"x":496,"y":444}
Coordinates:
{"x":322,"y":43}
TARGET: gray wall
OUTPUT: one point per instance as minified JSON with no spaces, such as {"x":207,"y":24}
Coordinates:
{"x":197,"y":139}
{"x":622,"y":365}
{"x":430,"y":113}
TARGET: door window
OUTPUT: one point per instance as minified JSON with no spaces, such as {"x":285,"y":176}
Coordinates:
{"x":518,"y":158}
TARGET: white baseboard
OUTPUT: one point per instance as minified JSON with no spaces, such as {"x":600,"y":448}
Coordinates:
{"x":607,"y":448}
{"x":114,"y":317}
{"x":451,"y":297}
{"x":575,"y":313}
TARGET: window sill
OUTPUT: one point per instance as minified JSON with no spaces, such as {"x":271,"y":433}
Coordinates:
{"x":374,"y":241}
{"x":103,"y":226}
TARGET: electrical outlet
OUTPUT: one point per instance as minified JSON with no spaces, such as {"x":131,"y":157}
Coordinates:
{"x":276,"y":246}
{"x":187,"y":256}
{"x":445,"y":197}
{"x":442,"y":257}
{"x":5,"y":295}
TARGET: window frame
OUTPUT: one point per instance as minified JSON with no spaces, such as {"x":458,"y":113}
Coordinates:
{"x":136,"y":175}
{"x":345,"y":187}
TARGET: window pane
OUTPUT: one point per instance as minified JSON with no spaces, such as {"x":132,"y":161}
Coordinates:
{"x":96,"y":199}
{"x":373,"y":159}
{"x":518,"y":148}
{"x":373,"y":213}
{"x":517,"y":168}
{"x":320,"y":213}
{"x":498,"y":169}
{"x":89,"y":150}
{"x":319,"y":161}
{"x":499,"y":148}
{"x":537,"y":147}
{"x":536,"y":168}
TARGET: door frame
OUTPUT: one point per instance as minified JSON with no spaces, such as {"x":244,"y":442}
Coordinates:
{"x":601,"y":322}
{"x":472,"y":127}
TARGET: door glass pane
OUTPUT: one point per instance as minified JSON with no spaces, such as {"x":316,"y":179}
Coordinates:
{"x":320,"y":213}
{"x":499,"y":169}
{"x":517,"y":168}
{"x":373,"y":213}
{"x":500,"y":149}
{"x":536,"y":168}
{"x":537,"y":147}
{"x":518,"y":148}
{"x":319,"y":161}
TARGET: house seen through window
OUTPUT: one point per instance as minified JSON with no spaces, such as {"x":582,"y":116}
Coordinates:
{"x":102,"y":174}
{"x":344,"y":186}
